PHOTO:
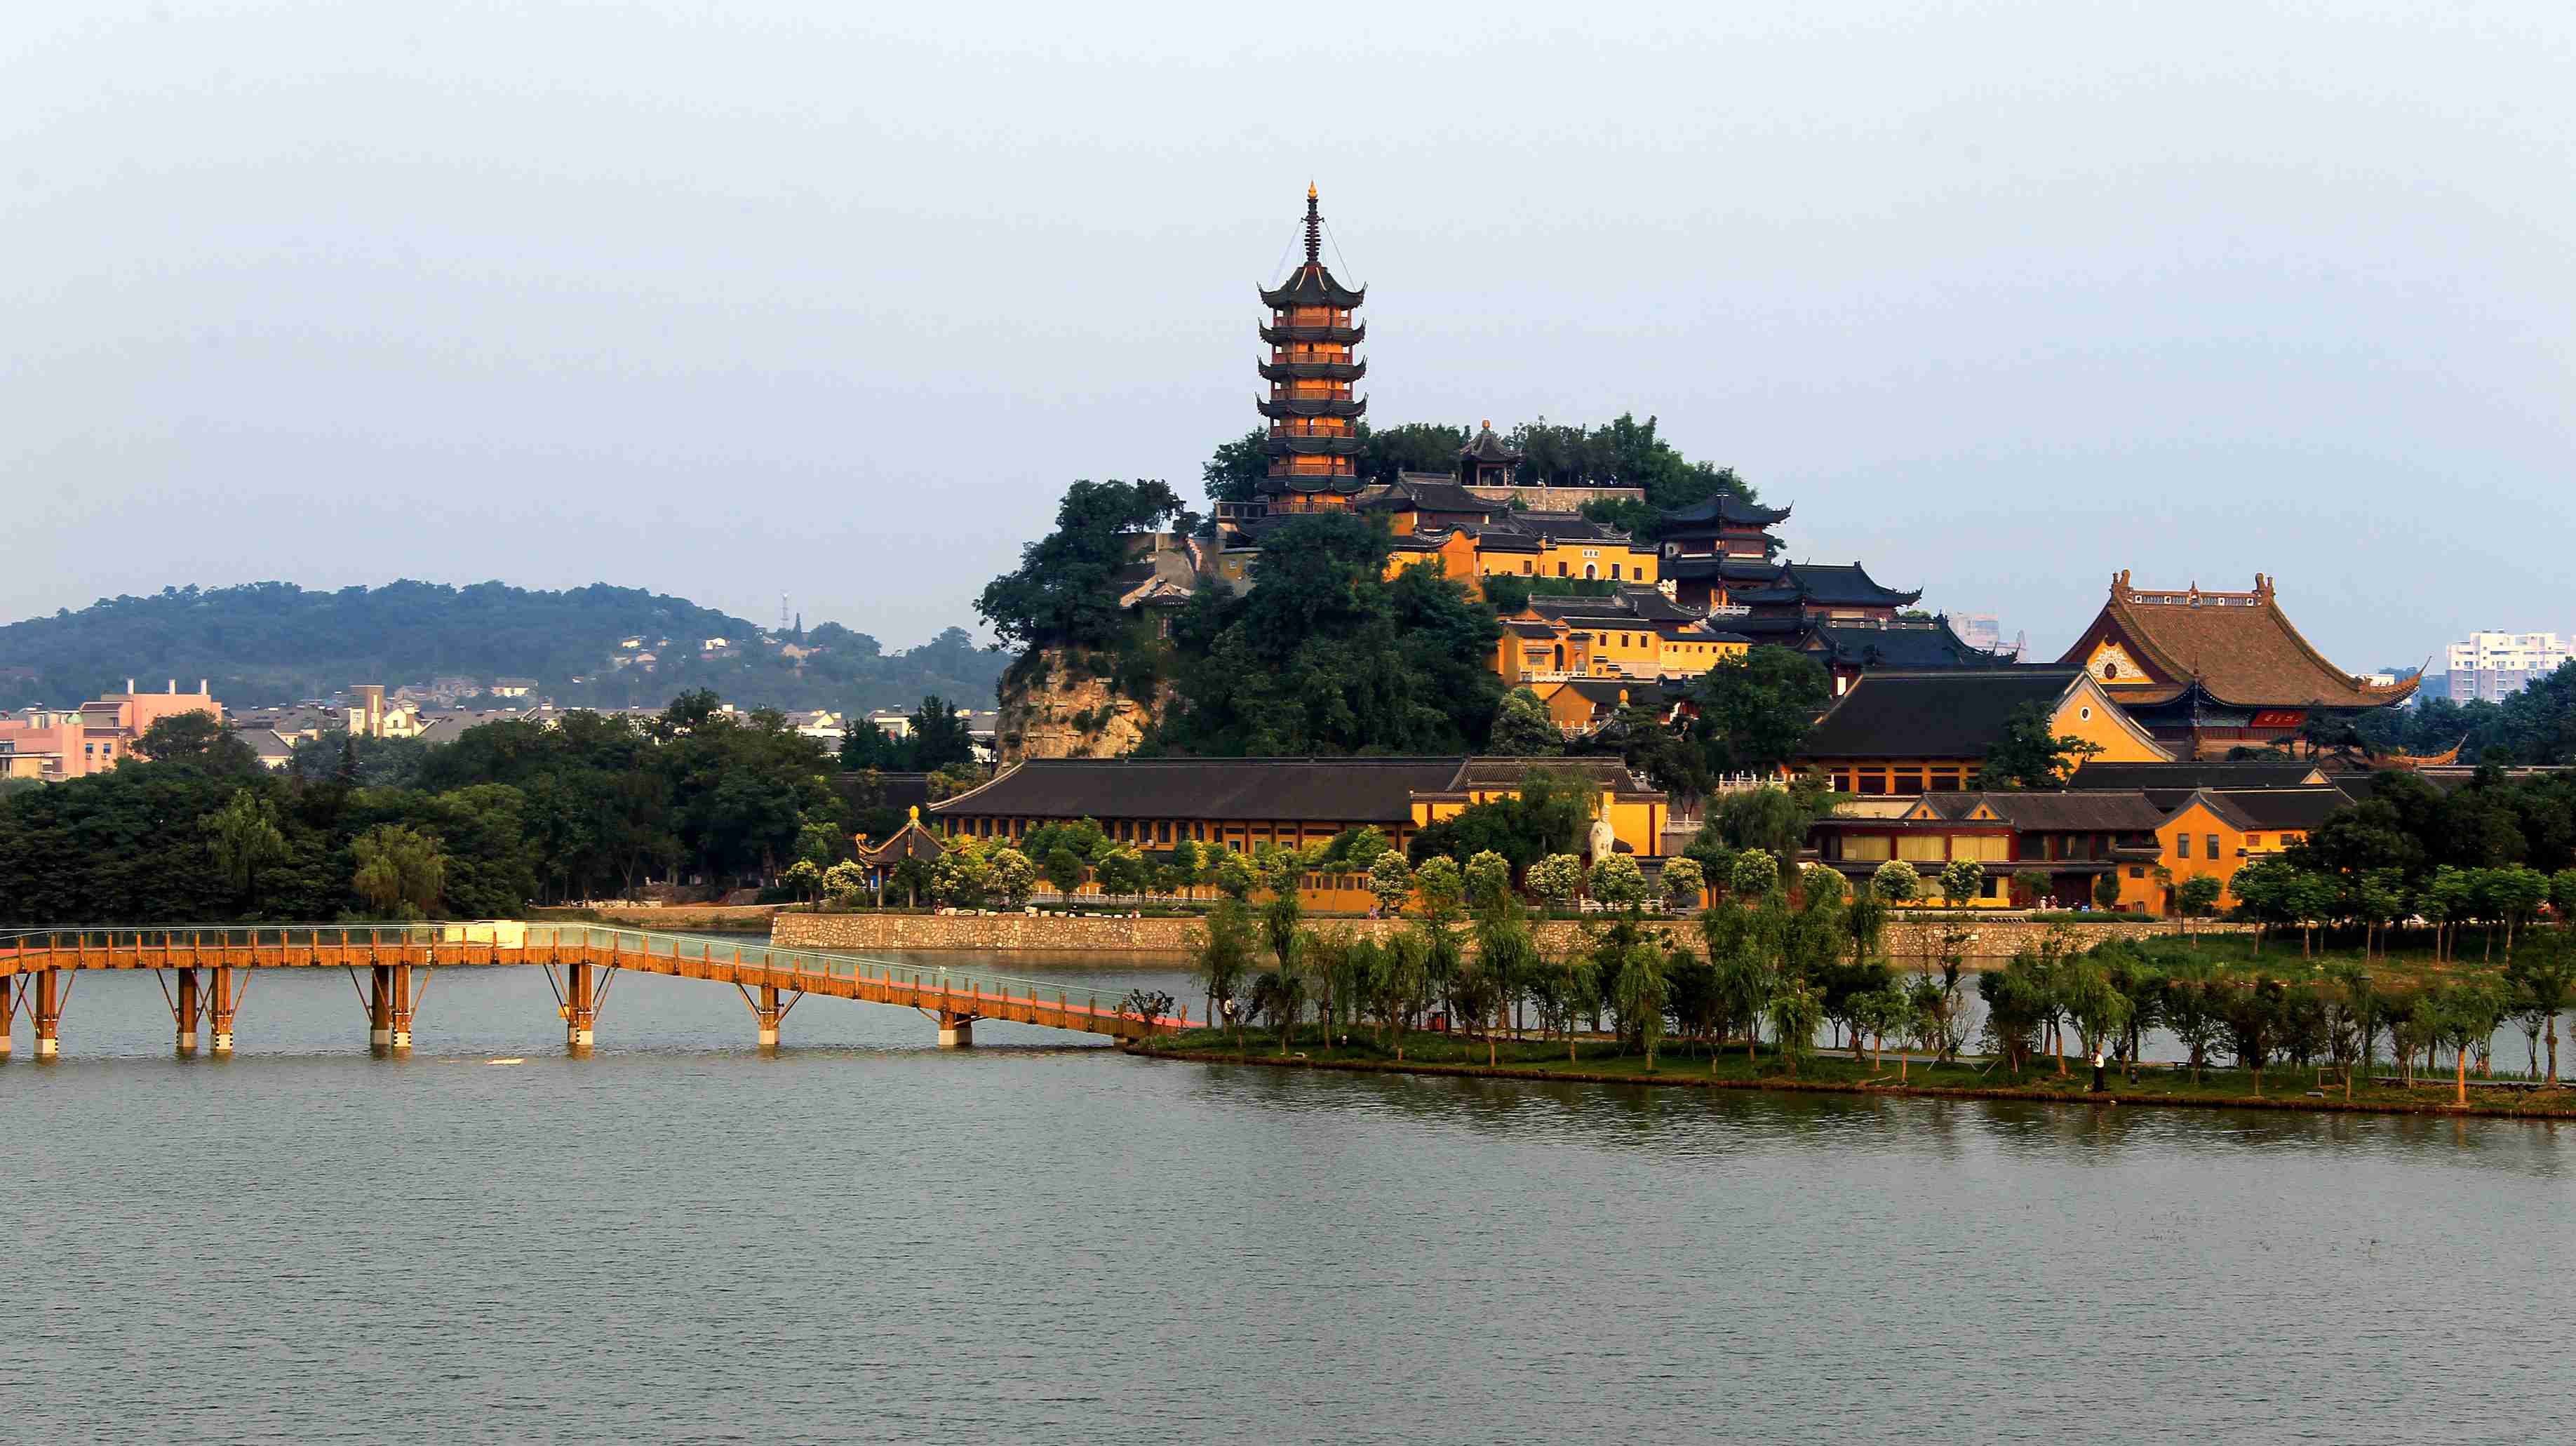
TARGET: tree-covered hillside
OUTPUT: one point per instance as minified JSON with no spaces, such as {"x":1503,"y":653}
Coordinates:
{"x":273,"y":641}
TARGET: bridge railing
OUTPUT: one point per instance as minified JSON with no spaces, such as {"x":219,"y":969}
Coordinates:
{"x":512,"y":934}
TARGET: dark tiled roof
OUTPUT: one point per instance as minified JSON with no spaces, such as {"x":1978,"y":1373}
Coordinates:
{"x":1501,"y":772}
{"x":2113,"y":811}
{"x":1428,"y":494}
{"x":1828,"y":584}
{"x":1296,"y":790}
{"x":910,"y":841}
{"x":2279,"y":808}
{"x":1907,"y":645}
{"x":1726,"y":508}
{"x":1486,"y":447}
{"x":1948,"y":713}
{"x":2188,"y":774}
{"x":2124,"y":810}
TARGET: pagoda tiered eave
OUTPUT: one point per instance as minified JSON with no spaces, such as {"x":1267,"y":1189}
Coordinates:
{"x":1312,"y":446}
{"x":1313,"y":371}
{"x":1280,"y":407}
{"x":1338,"y":335}
{"x":1312,"y":285}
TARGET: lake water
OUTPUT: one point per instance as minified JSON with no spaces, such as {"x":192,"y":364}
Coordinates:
{"x":863,"y":1238}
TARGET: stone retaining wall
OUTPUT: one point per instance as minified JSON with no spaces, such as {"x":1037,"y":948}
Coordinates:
{"x":987,"y":933}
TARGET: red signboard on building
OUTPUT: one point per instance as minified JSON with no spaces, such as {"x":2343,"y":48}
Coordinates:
{"x":2280,"y":718}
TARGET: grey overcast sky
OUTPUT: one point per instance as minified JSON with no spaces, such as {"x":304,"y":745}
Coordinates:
{"x":730,"y":297}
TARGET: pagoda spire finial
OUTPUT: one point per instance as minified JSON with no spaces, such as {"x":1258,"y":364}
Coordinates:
{"x":1314,"y":228}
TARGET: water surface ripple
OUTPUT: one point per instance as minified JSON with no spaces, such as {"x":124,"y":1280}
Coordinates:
{"x":861,"y":1238}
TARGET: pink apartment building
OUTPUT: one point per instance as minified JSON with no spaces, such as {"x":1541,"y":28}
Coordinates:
{"x":59,"y":743}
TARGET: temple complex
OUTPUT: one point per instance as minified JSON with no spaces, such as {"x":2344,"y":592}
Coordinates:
{"x":2207,"y":672}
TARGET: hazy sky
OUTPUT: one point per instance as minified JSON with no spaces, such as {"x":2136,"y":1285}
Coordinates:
{"x":728,"y":298}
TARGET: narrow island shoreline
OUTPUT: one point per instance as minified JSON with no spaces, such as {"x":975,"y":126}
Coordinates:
{"x":1686,"y":1079}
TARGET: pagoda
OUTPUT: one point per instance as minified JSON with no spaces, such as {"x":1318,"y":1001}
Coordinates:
{"x":1314,"y":439}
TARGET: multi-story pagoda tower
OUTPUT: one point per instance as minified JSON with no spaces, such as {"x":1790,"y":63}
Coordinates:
{"x":1314,"y":420}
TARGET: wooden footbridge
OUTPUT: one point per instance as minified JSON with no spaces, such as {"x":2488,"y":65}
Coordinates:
{"x":205,"y":974}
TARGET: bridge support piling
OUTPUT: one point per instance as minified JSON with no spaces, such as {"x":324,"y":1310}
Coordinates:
{"x":956,"y":1031}
{"x":380,"y":1009}
{"x":8,"y":1014}
{"x":581,"y":1008}
{"x":48,"y":1013}
{"x":186,"y":1010}
{"x":401,"y":1009}
{"x":767,"y":1013}
{"x":221,"y":1003}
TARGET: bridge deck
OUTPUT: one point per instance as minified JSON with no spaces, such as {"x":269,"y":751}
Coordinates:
{"x":936,"y":989}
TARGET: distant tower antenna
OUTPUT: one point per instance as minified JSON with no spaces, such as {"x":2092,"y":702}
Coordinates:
{"x":782,"y":612}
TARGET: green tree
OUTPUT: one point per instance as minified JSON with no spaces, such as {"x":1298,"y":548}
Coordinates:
{"x":1896,"y":882}
{"x":1751,"y":713}
{"x":1234,"y":473}
{"x":1961,"y":881}
{"x":1391,"y":880}
{"x":1061,"y":595}
{"x":245,"y":840}
{"x":843,"y":881}
{"x":1640,"y":996}
{"x":2197,"y":895}
{"x":865,"y":746}
{"x":1523,"y":729}
{"x":802,"y":879}
{"x":2029,"y":755}
{"x":1064,"y":869}
{"x":2541,"y":977}
{"x":1797,"y":1010}
{"x":1123,"y":874}
{"x":401,"y":872}
{"x":1325,"y":655}
{"x":1757,"y":875}
{"x":940,"y":739}
{"x":2514,"y":894}
{"x":2106,"y":892}
{"x":1684,"y":884}
{"x":1557,"y":878}
{"x":1442,"y":886}
{"x":1224,"y":957}
{"x":1617,"y":882}
{"x":1488,"y":879}
{"x":1015,"y":876}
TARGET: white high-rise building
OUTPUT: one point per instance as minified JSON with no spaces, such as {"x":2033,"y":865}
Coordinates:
{"x":2496,"y":665}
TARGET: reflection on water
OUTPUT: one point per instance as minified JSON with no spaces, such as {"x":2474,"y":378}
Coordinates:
{"x":861,"y":1237}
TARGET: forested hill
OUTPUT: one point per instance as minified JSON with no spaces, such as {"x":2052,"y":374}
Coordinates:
{"x":273,"y":642}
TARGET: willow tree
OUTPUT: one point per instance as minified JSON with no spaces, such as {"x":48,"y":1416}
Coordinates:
{"x":401,"y":871}
{"x":244,"y":838}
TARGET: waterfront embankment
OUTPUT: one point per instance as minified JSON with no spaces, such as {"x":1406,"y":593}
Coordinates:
{"x":1077,"y":933}
{"x":676,"y":918}
{"x":2158,"y":1085}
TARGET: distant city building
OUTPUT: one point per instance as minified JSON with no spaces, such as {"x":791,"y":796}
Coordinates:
{"x":2493,"y":666}
{"x":1985,"y":632}
{"x":61,"y":743}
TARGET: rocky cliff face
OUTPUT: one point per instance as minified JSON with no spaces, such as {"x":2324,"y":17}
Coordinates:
{"x":1049,"y":710}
